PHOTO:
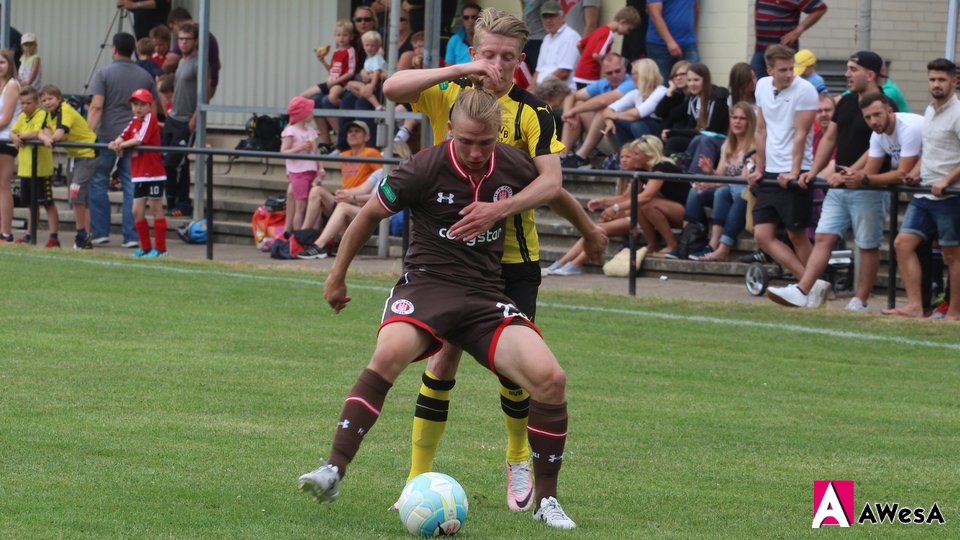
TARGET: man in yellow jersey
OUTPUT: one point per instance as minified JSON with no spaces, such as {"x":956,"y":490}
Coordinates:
{"x":528,"y":125}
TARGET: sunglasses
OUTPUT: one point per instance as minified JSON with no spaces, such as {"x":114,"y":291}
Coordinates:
{"x":470,"y":17}
{"x":363,"y":19}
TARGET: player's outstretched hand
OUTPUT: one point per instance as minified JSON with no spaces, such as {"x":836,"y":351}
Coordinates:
{"x":477,"y":218}
{"x":335,"y":291}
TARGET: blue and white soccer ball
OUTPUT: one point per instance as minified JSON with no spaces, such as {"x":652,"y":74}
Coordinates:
{"x":433,"y":504}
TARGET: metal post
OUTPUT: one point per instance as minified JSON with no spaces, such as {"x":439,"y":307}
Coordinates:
{"x":203,"y":73}
{"x":209,"y":208}
{"x":393,"y":43}
{"x":892,"y":254}
{"x":34,"y":210}
{"x":632,"y":235}
{"x":951,"y":43}
{"x":863,"y":25}
{"x":5,"y":25}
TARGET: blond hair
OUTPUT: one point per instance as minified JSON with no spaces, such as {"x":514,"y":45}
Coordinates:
{"x":647,"y":75}
{"x":650,"y":145}
{"x":495,"y":21}
{"x":480,"y":106}
{"x":372,"y":36}
{"x":343,"y":24}
{"x":734,"y":144}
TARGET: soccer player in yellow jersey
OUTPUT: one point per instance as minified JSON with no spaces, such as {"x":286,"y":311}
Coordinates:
{"x":529,"y":125}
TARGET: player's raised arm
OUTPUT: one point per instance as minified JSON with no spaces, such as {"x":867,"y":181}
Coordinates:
{"x":405,"y":86}
{"x":357,"y":234}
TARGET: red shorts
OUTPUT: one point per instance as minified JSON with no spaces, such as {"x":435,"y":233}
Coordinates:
{"x":301,"y":182}
{"x":471,"y":318}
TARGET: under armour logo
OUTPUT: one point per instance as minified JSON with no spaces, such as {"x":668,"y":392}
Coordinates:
{"x":447,"y":198}
{"x":554,"y":458}
{"x":360,"y":432}
{"x":344,"y":424}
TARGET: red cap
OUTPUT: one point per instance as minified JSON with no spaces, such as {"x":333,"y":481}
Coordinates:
{"x":141,"y":94}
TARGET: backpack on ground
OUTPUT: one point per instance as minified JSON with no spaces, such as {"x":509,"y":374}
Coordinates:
{"x":268,"y":222}
{"x":263,"y":133}
{"x":693,"y":239}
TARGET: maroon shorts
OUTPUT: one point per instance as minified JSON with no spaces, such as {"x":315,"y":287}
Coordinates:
{"x":471,"y":318}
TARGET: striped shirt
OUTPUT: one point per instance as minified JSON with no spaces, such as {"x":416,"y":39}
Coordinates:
{"x":774,"y":18}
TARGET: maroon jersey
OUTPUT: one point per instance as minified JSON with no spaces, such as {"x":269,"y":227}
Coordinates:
{"x":436,"y":187}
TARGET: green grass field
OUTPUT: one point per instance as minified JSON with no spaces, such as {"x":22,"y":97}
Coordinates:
{"x":183,"y":400}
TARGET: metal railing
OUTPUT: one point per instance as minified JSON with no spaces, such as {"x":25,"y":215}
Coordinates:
{"x":636,"y":177}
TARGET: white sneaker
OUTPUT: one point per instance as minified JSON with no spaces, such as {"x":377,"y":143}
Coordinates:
{"x":322,"y":484}
{"x":100,"y":240}
{"x":519,"y":487}
{"x":568,"y":269}
{"x":790,"y":296}
{"x":818,"y":293}
{"x":554,"y":516}
{"x":855,"y":304}
{"x":131,"y":244}
{"x":548,"y":271}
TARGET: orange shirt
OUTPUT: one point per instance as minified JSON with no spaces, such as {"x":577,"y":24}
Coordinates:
{"x":355,"y":174}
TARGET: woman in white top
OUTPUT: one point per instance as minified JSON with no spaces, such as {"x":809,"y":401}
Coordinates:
{"x":9,"y":110}
{"x":629,"y":117}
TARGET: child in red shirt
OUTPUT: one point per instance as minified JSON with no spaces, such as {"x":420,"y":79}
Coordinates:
{"x":146,"y":172}
{"x":594,"y":46}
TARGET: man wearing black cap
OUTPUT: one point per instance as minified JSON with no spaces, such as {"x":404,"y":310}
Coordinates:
{"x":109,"y":115}
{"x":862,"y":210}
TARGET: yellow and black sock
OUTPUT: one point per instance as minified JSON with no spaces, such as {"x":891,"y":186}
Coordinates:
{"x":515,"y":402}
{"x":429,"y":421}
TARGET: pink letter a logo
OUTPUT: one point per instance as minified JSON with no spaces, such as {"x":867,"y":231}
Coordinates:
{"x":832,"y":503}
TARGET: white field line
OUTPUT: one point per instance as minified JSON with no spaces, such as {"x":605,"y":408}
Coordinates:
{"x":741,"y":323}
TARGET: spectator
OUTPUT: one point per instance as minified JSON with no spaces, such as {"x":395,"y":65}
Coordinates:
{"x":145,"y":48}
{"x":349,"y":202}
{"x":28,"y":127}
{"x":340,"y":70}
{"x":553,"y":91}
{"x":806,"y":67}
{"x":364,"y":20}
{"x":704,"y":109}
{"x":180,"y":16}
{"x":862,"y":210}
{"x":165,"y":89}
{"x":729,"y":207}
{"x":629,"y":117}
{"x":181,"y":122}
{"x":531,"y":16}
{"x":160,"y":35}
{"x":937,"y":215}
{"x":777,"y":22}
{"x":373,"y":72}
{"x":300,"y":138}
{"x":786,"y":105}
{"x":30,"y":73}
{"x":825,"y":110}
{"x":594,"y":46}
{"x":458,"y":48}
{"x":148,"y":174}
{"x":660,"y":205}
{"x":354,"y":175}
{"x":634,"y":44}
{"x":672,"y":32}
{"x":403,"y":35}
{"x":891,"y":89}
{"x":147,"y":14}
{"x":64,"y":123}
{"x":581,"y":107}
{"x":9,"y":111}
{"x":743,"y":84}
{"x":582,"y":16}
{"x":676,"y":89}
{"x":558,"y":54}
{"x":109,"y":114}
{"x":409,"y":60}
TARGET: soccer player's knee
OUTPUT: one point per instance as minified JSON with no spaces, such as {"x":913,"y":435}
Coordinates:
{"x":552,"y":387}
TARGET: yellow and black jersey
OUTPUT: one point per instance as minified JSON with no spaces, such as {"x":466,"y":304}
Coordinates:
{"x":528,"y":125}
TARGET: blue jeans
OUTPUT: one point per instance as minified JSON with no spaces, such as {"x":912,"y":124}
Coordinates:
{"x":661,"y":55}
{"x":100,"y":201}
{"x":703,"y":145}
{"x":934,"y":219}
{"x":759,"y":65}
{"x":730,"y":212}
{"x":697,"y":202}
{"x":628,"y":131}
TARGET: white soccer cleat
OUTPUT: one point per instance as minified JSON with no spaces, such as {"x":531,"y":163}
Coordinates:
{"x":553,"y":515}
{"x":322,"y":484}
{"x":790,"y":296}
{"x":856,"y":304}
{"x":519,"y":487}
{"x":818,"y":293}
